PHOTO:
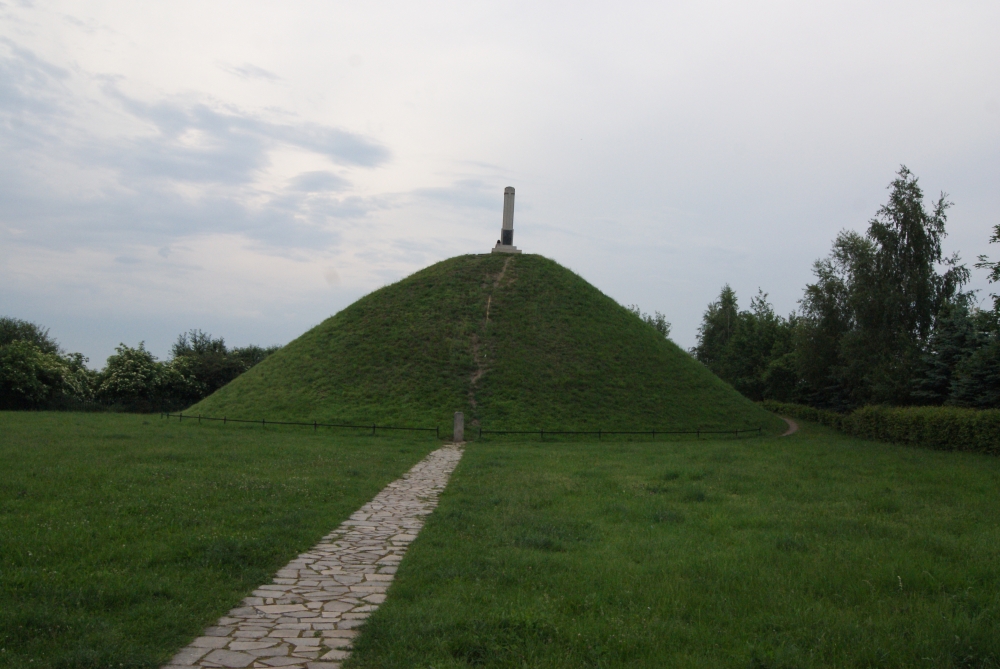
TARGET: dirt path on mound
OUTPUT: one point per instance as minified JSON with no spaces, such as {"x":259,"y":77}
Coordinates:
{"x":496,"y":284}
{"x":793,"y":427}
{"x":477,"y":348}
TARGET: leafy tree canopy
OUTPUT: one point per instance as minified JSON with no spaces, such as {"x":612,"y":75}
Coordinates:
{"x":875,"y":302}
{"x":751,"y":349}
{"x":15,"y":329}
{"x":884,"y":322}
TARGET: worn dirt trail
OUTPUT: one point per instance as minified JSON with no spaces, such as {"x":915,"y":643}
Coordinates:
{"x":482,"y":365}
{"x":793,"y":427}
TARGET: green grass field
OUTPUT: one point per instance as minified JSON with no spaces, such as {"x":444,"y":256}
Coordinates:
{"x":815,"y":550}
{"x":123,"y":536}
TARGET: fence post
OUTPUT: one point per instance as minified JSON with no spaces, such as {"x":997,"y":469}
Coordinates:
{"x":458,"y":431}
{"x":314,"y":426}
{"x":541,"y":434}
{"x":437,"y":431}
{"x":181,"y":417}
{"x":598,"y":434}
{"x":699,"y":433}
{"x":263,"y":422}
{"x":199,"y":419}
{"x":223,"y":420}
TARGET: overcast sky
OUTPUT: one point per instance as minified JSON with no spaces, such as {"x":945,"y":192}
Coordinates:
{"x":252,"y":168}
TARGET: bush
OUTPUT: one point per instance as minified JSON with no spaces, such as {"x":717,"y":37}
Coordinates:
{"x":35,"y":373}
{"x":206,"y":364}
{"x":33,"y":378}
{"x":134,"y":380}
{"x":27,"y":375}
{"x":942,"y":428}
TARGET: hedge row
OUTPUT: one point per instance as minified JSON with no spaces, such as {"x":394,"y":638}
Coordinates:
{"x":943,"y":428}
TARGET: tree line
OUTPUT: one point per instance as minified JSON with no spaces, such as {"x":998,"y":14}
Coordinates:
{"x":35,"y":373}
{"x":886,"y":322}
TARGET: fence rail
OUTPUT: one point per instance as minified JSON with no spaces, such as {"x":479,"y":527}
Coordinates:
{"x":601,"y":433}
{"x":263,"y":422}
{"x":315,"y":425}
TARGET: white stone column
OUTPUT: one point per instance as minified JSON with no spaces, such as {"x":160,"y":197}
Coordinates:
{"x":508,"y":214}
{"x":506,"y":241}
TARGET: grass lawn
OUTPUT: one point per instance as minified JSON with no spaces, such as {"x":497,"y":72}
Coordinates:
{"x":123,"y":536}
{"x":815,"y":550}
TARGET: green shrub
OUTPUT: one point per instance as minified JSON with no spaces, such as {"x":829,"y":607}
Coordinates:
{"x":33,"y":378}
{"x":35,"y":373}
{"x":205,"y":364}
{"x":134,"y":380}
{"x":28,"y":376}
{"x":942,"y":428}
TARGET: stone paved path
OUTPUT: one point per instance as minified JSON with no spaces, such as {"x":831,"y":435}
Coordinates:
{"x":307,"y":617}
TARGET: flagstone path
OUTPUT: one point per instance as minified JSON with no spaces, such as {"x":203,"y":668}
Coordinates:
{"x":307,"y":617}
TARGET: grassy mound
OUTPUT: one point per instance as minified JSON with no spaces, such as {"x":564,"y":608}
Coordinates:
{"x":516,"y":342}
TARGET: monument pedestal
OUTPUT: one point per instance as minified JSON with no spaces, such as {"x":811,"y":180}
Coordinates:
{"x":501,"y":248}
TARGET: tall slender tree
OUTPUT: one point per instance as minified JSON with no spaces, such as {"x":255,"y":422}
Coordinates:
{"x":717,"y":328}
{"x":870,"y":314}
{"x":993,"y":267}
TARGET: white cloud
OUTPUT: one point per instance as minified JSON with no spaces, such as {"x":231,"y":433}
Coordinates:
{"x":163,"y":158}
{"x":251,"y":71}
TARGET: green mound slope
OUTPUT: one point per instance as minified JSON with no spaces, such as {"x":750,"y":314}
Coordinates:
{"x":516,"y":342}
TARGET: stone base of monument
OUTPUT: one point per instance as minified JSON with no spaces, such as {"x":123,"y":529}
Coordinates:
{"x":500,"y":248}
